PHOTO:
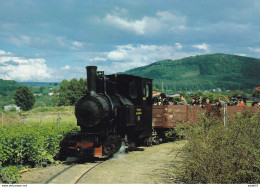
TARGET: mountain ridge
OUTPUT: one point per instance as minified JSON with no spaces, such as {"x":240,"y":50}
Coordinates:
{"x":203,"y":72}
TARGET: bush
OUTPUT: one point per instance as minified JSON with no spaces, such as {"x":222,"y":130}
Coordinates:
{"x":214,"y":154}
{"x":172,"y":135}
{"x":31,"y":143}
{"x":9,"y":174}
{"x":39,"y":104}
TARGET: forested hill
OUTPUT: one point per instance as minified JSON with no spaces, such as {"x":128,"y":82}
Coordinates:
{"x":8,"y":87}
{"x":204,"y":72}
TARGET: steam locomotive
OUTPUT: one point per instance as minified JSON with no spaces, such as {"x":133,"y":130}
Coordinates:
{"x":115,"y":108}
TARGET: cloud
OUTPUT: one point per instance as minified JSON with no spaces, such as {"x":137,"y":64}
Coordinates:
{"x":97,"y":59}
{"x":117,"y":55}
{"x":24,"y":69}
{"x":257,"y":50}
{"x":147,"y":25}
{"x":202,"y":46}
{"x":67,"y":67}
{"x":46,"y":42}
{"x":178,"y":45}
{"x":20,"y":40}
{"x":129,"y":56}
{"x":4,"y":53}
{"x":138,"y":26}
{"x":76,"y":45}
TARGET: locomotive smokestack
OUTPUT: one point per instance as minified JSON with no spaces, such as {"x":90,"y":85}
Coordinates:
{"x":91,"y":79}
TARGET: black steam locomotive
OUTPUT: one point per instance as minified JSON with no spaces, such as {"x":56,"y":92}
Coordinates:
{"x":116,"y":108}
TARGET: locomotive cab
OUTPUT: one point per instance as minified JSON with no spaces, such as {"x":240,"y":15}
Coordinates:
{"x":137,"y":116}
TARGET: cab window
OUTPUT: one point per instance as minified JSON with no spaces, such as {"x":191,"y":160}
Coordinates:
{"x":133,"y":90}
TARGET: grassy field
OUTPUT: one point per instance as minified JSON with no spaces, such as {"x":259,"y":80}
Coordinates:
{"x":40,"y":115}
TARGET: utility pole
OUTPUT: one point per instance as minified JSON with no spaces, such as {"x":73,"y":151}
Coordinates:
{"x":162,"y":86}
{"x":225,"y":115}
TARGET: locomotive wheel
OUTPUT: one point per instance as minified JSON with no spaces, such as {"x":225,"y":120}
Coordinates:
{"x":112,"y":145}
{"x":109,"y":149}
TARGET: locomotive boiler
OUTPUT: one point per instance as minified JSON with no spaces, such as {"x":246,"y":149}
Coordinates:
{"x":115,"y":108}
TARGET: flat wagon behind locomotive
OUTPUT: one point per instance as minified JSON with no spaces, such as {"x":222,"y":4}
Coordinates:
{"x":115,"y":107}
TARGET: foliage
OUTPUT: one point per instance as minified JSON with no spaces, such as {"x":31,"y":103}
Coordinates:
{"x":71,"y":91}
{"x":31,"y":143}
{"x":203,"y":72}
{"x":24,"y":98}
{"x":10,"y":174}
{"x":172,"y":135}
{"x":39,"y":104}
{"x":214,"y":154}
{"x":7,"y":87}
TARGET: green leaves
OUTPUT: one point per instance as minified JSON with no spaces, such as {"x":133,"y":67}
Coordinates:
{"x":216,"y":155}
{"x":31,"y":143}
{"x":71,"y":91}
{"x":24,"y":98}
{"x":9,"y":174}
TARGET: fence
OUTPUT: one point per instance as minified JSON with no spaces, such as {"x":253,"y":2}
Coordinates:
{"x":168,"y":116}
{"x":40,"y":118}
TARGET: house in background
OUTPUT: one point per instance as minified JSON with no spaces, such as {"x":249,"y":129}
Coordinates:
{"x":10,"y":107}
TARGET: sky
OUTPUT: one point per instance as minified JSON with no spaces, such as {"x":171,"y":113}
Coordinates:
{"x":49,"y":41}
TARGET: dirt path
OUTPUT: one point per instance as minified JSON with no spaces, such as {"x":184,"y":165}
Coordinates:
{"x":154,"y":165}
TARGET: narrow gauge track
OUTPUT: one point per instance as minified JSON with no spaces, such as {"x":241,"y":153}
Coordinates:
{"x":72,"y":174}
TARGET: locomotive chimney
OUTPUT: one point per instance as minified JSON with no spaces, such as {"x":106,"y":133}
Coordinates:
{"x":91,"y":79}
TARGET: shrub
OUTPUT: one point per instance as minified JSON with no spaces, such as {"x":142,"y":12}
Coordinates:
{"x":31,"y":143}
{"x":39,"y":104}
{"x":10,"y":174}
{"x":172,"y":135}
{"x":214,"y":154}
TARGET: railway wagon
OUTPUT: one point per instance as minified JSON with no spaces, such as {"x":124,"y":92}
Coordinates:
{"x":169,"y":116}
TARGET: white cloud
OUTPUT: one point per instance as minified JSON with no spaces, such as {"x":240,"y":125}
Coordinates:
{"x":67,"y":67}
{"x":147,"y":25}
{"x":138,"y":26}
{"x":4,"y":53}
{"x":97,"y":59}
{"x":76,"y":45}
{"x":20,"y":40}
{"x":240,"y":54}
{"x":254,"y":49}
{"x":24,"y":69}
{"x":117,"y":55}
{"x":126,"y":57}
{"x":202,"y":46}
{"x":178,"y":45}
{"x":171,"y":18}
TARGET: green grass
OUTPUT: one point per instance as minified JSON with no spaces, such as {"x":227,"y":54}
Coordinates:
{"x":61,"y":109}
{"x":40,"y":115}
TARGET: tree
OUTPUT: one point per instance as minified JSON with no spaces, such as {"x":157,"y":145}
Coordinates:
{"x":71,"y":91}
{"x":24,"y":98}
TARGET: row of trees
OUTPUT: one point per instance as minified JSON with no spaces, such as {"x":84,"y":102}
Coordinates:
{"x":68,"y":94}
{"x":71,"y":91}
